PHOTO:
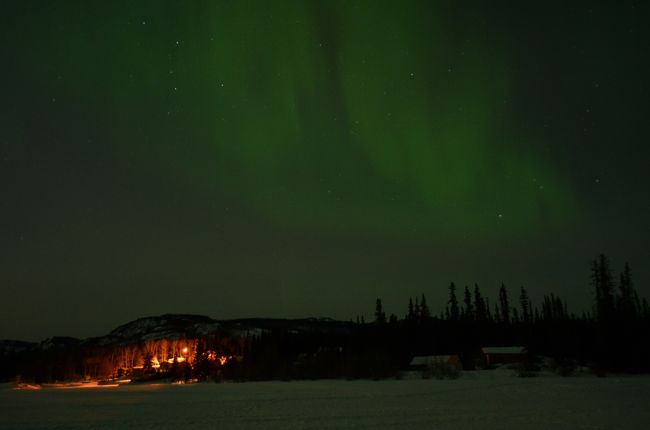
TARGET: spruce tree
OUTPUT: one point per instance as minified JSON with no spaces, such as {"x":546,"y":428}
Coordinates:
{"x":453,"y":303}
{"x":380,"y":316}
{"x":504,"y":305}
{"x":479,"y":304}
{"x":626,"y":306}
{"x":201,"y":362}
{"x":425,"y":313}
{"x":468,"y":309}
{"x":603,"y":286}
{"x":524,"y":302}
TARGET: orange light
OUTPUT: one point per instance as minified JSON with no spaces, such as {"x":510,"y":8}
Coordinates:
{"x":185,"y":350}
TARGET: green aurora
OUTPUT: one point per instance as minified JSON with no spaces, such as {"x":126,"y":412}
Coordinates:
{"x":334,"y":116}
{"x":302,"y":158}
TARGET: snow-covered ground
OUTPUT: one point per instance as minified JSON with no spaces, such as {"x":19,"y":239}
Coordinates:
{"x":478,"y":400}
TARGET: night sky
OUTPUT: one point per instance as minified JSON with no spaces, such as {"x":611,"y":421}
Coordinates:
{"x":293,"y":159}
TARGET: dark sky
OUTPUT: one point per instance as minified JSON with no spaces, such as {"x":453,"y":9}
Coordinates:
{"x":292,"y":159}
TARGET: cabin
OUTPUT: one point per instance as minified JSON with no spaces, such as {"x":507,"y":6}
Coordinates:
{"x":423,"y":362}
{"x":496,"y":355}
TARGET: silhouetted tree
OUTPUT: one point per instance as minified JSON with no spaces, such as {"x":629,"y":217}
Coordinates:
{"x":410,"y":316}
{"x":603,"y":286}
{"x":553,"y":309}
{"x":626,"y":306}
{"x":479,"y":305}
{"x":524,"y":302}
{"x":468,"y":309}
{"x":425,"y":313}
{"x":453,"y":303}
{"x":504,"y":305}
{"x":380,"y":316}
{"x":201,"y":361}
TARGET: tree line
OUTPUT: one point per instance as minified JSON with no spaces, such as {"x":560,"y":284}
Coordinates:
{"x":610,"y":337}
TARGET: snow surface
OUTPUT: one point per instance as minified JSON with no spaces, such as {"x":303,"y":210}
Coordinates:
{"x":479,"y":400}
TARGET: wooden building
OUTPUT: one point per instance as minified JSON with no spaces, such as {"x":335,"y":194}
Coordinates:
{"x":495,"y":355}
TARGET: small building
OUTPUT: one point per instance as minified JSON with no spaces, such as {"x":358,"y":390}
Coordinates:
{"x":494,"y":355}
{"x":422,"y":362}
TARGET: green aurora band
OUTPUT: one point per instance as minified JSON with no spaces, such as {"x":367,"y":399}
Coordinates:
{"x":333,"y":116}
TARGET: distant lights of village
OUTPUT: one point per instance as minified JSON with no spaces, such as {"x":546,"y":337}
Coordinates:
{"x":209,"y":355}
{"x":187,"y":355}
{"x":174,"y":360}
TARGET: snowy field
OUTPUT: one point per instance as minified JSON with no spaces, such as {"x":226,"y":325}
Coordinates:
{"x":479,"y":400}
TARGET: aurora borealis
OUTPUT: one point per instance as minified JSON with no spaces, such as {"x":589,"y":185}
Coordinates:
{"x":301,"y":158}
